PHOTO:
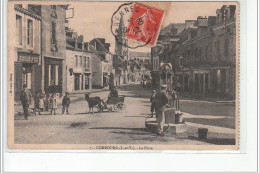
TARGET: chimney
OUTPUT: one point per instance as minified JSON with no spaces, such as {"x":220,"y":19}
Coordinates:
{"x":212,"y":21}
{"x":80,"y":39}
{"x":174,"y":30}
{"x":189,"y":23}
{"x":232,"y":11}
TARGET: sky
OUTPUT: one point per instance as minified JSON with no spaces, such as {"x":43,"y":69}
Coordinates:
{"x":93,"y":19}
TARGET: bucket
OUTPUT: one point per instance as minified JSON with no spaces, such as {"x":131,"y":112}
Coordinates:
{"x":178,"y":118}
{"x":202,"y":133}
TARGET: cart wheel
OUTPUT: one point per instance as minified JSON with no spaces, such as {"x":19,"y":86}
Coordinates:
{"x":121,"y":107}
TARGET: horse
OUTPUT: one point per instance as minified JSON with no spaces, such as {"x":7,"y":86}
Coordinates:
{"x":94,"y":102}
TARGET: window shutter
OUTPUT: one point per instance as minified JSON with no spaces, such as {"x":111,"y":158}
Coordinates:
{"x":56,"y":74}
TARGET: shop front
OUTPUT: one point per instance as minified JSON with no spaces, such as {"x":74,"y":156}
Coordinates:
{"x":27,"y":71}
{"x":53,"y":75}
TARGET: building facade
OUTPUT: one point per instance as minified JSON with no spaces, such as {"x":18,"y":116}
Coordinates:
{"x":203,"y":58}
{"x":102,"y":62}
{"x":27,"y":50}
{"x":78,"y":63}
{"x":53,"y":48}
{"x":207,"y":61}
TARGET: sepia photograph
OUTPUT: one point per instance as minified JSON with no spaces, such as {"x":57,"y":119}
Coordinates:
{"x":123,"y":75}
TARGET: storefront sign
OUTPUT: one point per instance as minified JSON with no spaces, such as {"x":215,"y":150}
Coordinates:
{"x":26,"y":57}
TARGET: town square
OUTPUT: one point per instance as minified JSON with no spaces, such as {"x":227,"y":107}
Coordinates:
{"x":124,"y":73}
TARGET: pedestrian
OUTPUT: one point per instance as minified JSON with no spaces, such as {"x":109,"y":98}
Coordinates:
{"x":153,"y":102}
{"x":161,"y":101}
{"x":26,"y":99}
{"x":113,"y":92}
{"x":37,"y":102}
{"x":172,"y":98}
{"x":41,"y":102}
{"x":47,"y":102}
{"x":66,"y":103}
{"x":53,"y":103}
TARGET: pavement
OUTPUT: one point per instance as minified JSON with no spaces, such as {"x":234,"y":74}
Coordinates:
{"x":80,"y":127}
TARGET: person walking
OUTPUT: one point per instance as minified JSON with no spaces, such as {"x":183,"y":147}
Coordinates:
{"x":26,"y":99}
{"x":153,"y":102}
{"x":66,"y":103}
{"x":53,"y":103}
{"x":161,"y":101}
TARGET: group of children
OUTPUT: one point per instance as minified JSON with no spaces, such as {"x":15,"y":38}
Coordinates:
{"x":48,"y":102}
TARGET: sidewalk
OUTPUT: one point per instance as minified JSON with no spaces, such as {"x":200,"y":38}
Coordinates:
{"x":74,"y":97}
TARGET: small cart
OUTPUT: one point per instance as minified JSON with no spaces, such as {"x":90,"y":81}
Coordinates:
{"x":115,"y":103}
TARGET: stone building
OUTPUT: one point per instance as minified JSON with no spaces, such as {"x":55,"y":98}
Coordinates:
{"x":53,"y":48}
{"x":26,"y":52}
{"x":78,"y":62}
{"x":102,"y":62}
{"x":202,"y":55}
{"x":206,"y":60}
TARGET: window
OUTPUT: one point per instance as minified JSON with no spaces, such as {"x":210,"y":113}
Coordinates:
{"x":19,"y":29}
{"x":53,"y":74}
{"x":53,"y":33}
{"x":181,"y":61}
{"x":76,"y":60}
{"x":80,"y":61}
{"x":85,"y":62}
{"x":88,"y":63}
{"x":200,"y":56}
{"x":53,"y":7}
{"x":206,"y":52}
{"x":226,"y":47}
{"x":156,"y":63}
{"x":218,"y":49}
{"x":30,"y":32}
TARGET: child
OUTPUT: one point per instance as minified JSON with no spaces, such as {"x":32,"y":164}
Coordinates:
{"x":152,"y":100}
{"x":65,"y":103}
{"x":53,"y":103}
{"x":47,"y":102}
{"x":41,"y":103}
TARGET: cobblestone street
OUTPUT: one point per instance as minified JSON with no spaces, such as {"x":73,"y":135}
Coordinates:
{"x":80,"y":127}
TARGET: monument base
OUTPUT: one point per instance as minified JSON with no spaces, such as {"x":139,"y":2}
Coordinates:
{"x":151,"y":125}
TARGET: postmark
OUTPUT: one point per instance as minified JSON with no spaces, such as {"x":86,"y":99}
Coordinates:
{"x":137,"y":23}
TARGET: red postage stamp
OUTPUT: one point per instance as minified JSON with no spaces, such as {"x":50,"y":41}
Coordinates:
{"x":144,"y":24}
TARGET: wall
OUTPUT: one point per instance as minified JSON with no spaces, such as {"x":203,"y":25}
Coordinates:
{"x":97,"y":77}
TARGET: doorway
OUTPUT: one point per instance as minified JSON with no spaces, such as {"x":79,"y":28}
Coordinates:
{"x":76,"y":82}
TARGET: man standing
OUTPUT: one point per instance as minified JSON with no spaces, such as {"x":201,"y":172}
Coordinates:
{"x":114,"y":92}
{"x":161,"y":101}
{"x":26,"y":99}
{"x":66,"y":103}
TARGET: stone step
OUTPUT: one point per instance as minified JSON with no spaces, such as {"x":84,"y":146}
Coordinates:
{"x":151,"y":125}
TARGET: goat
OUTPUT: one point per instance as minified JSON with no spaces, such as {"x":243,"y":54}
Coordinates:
{"x":94,"y":101}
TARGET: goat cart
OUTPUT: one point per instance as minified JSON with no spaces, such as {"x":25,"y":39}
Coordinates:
{"x":115,"y":103}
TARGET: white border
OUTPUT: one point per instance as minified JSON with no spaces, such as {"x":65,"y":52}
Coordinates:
{"x":163,"y":161}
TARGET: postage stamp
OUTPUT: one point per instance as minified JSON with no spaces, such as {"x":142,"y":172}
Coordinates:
{"x":123,"y":75}
{"x":140,"y":24}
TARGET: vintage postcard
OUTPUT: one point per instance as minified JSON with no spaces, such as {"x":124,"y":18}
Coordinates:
{"x":123,"y":75}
